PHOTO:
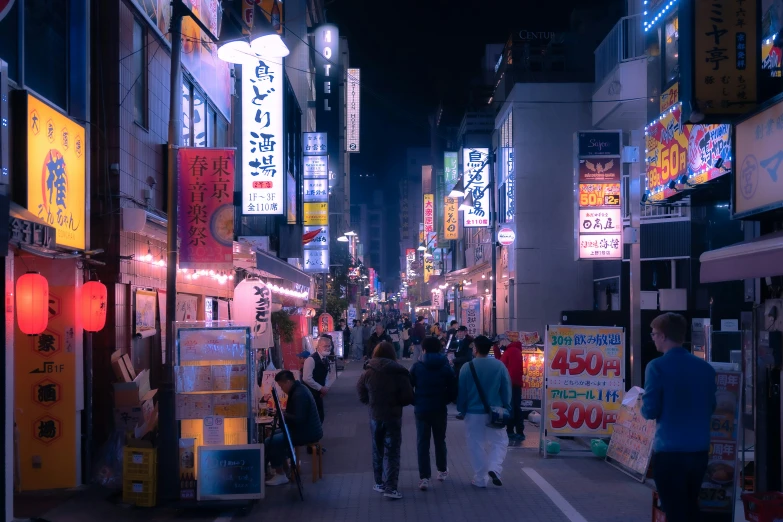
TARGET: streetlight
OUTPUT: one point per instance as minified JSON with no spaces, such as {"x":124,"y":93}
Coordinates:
{"x":343,"y":239}
{"x":237,"y":47}
{"x":459,"y":189}
{"x":467,"y":203}
{"x":351,"y":233}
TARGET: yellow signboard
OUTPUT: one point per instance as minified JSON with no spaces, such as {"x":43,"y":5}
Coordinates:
{"x":429,"y":268}
{"x":316,"y":214}
{"x":450,"y":221}
{"x":56,"y":163}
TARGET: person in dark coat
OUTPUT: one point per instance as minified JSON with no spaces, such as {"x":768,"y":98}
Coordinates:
{"x":434,"y":387}
{"x":343,"y":327}
{"x":418,"y":333}
{"x":463,"y":353}
{"x":512,"y":359}
{"x":301,"y":417}
{"x":377,"y":337}
{"x":385,"y":387}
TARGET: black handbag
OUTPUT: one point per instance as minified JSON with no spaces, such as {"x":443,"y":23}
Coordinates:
{"x":496,"y":418}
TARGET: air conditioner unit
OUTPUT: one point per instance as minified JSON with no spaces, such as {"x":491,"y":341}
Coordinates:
{"x":145,"y":223}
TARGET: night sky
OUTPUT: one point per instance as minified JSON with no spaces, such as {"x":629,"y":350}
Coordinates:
{"x":414,"y":55}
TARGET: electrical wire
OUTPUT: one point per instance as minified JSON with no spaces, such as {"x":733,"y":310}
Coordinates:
{"x":130,"y":89}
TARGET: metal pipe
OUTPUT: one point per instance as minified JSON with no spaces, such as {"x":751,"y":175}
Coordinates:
{"x":493,"y":223}
{"x":168,"y":458}
{"x":636,"y":264}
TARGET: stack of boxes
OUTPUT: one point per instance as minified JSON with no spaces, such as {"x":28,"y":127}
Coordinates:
{"x":134,"y":410}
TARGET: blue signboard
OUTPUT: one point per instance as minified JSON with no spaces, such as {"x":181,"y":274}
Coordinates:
{"x":231,"y":472}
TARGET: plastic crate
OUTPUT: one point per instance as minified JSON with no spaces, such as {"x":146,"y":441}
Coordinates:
{"x":763,"y":507}
{"x":140,"y":492}
{"x":139,"y":463}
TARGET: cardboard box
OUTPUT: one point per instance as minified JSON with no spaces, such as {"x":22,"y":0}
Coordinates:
{"x":129,"y":366}
{"x":134,"y":393}
{"x":126,"y":418}
{"x":120,"y":369}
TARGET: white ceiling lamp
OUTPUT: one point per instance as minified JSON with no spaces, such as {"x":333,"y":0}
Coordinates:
{"x":265,"y":41}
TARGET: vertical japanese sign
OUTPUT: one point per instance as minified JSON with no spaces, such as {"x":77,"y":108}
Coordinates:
{"x":450,"y":169}
{"x":532,"y":379}
{"x":263,"y":172}
{"x":718,"y":491}
{"x":757,"y":177}
{"x":476,"y":178}
{"x":353,"y":110}
{"x":437,"y":299}
{"x":429,"y":213}
{"x":206,"y":208}
{"x":316,"y":203}
{"x":597,"y":174}
{"x":327,"y":89}
{"x":56,"y":166}
{"x":725,"y":57}
{"x":450,"y":221}
{"x":429,"y":267}
{"x":584,"y":380}
{"x":410,"y":259}
{"x":45,"y":384}
{"x":471,"y":316}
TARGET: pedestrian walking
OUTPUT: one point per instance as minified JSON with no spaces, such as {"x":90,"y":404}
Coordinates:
{"x":679,"y":394}
{"x":463,"y":352}
{"x":385,"y":387}
{"x":406,"y":339}
{"x":357,"y":343}
{"x":366,"y":333}
{"x":418,"y":333}
{"x":512,"y":360}
{"x":434,"y":387}
{"x":343,"y":327}
{"x":484,"y":391}
{"x":379,"y":336}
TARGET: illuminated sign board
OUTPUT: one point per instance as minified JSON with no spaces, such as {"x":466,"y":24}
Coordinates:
{"x":352,"y":110}
{"x":476,"y":179}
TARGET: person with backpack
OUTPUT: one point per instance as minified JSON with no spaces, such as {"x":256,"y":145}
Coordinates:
{"x":434,"y":387}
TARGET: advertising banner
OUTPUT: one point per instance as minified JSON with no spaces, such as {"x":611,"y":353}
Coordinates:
{"x":667,"y":147}
{"x":206,"y":208}
{"x":429,"y":268}
{"x":584,"y":380}
{"x":437,"y":299}
{"x":757,"y":185}
{"x":532,"y":379}
{"x":598,"y":143}
{"x":450,"y":221}
{"x":476,"y":179}
{"x":607,"y":170}
{"x":606,"y":220}
{"x":316,"y":167}
{"x":599,"y":195}
{"x":669,"y":97}
{"x":316,"y":190}
{"x":429,"y":213}
{"x":450,"y":173}
{"x":471,"y":316}
{"x":263,"y":165}
{"x":328,"y":75}
{"x":601,"y":246}
{"x":56,"y":165}
{"x":316,"y":214}
{"x":631,"y":446}
{"x":353,"y":110}
{"x":410,"y":259}
{"x":315,"y":144}
{"x":725,"y":38}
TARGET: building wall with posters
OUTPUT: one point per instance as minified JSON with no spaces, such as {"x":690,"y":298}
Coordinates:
{"x":415,"y":158}
{"x":544,"y":279}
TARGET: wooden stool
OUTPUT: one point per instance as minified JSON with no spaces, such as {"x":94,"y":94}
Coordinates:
{"x":317,"y":465}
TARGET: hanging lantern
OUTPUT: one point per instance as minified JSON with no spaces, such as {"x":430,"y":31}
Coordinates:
{"x":32,"y":303}
{"x":253,"y":308}
{"x":325,"y":323}
{"x":93,"y":306}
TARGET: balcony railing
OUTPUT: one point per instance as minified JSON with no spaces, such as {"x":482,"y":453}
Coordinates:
{"x":652,"y":213}
{"x":624,"y":43}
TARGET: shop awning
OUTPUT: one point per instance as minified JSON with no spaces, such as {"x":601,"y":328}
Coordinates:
{"x":466,"y":273}
{"x":276,"y":267}
{"x":760,"y":257}
{"x":425,"y":303}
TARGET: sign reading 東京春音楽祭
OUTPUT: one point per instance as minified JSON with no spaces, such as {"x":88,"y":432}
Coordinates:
{"x":719,"y":59}
{"x":758,"y":176}
{"x":597,"y":183}
{"x":475,"y":168}
{"x":55,"y":168}
{"x":584,"y":380}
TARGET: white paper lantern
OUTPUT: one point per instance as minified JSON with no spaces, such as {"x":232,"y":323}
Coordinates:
{"x":253,"y":307}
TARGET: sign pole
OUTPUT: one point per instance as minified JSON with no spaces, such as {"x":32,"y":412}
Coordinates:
{"x":635,"y":277}
{"x":493,"y":223}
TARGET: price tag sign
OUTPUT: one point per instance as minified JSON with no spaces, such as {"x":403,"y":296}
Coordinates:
{"x":584,"y":379}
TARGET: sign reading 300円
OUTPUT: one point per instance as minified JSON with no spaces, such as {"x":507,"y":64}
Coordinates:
{"x":584,"y":379}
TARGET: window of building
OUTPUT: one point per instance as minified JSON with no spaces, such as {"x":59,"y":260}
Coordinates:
{"x":9,"y":41}
{"x":187,"y":131}
{"x":139,"y":73}
{"x":199,"y":119}
{"x":46,"y":49}
{"x":671,"y":60}
{"x":211,"y":124}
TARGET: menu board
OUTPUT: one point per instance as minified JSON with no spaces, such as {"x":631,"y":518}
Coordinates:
{"x":718,"y":490}
{"x":630,"y":447}
{"x":205,"y":345}
{"x":231,"y":472}
{"x":532,"y":379}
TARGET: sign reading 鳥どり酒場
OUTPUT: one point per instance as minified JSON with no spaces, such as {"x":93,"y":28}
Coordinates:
{"x":584,"y":380}
{"x":206,"y":208}
{"x":475,"y":166}
{"x":56,"y":167}
{"x":758,"y":183}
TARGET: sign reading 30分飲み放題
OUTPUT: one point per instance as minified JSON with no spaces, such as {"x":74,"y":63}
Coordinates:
{"x":584,"y":380}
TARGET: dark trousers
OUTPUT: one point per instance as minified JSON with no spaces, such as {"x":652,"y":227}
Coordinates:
{"x":406,"y":349}
{"x":386,"y":442}
{"x":319,"y":403}
{"x":678,"y":478}
{"x":435,"y":424}
{"x":276,"y":450}
{"x":517,"y":420}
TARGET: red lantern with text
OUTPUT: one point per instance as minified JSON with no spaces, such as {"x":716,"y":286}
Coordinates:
{"x":32,"y":303}
{"x":325,"y":323}
{"x":93,"y":306}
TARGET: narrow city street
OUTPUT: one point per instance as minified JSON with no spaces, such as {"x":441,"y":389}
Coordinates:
{"x":534,"y":489}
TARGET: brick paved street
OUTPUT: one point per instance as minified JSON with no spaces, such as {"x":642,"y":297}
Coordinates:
{"x":585,"y":489}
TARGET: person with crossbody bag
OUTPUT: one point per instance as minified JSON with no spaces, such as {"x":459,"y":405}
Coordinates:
{"x":484,"y":401}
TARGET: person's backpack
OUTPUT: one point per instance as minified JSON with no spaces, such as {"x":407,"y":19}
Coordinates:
{"x":405,"y":334}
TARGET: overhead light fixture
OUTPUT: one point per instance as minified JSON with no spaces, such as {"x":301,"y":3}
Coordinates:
{"x":421,"y":248}
{"x":342,"y":239}
{"x":645,"y":196}
{"x":351,"y":233}
{"x":459,"y":189}
{"x":467,"y":203}
{"x":236,"y":46}
{"x":718,"y":163}
{"x":265,"y":41}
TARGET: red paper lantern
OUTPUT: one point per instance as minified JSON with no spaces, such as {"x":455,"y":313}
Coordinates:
{"x":32,"y":303}
{"x":93,"y":306}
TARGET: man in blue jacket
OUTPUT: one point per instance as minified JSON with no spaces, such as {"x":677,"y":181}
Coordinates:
{"x":434,"y":387}
{"x":679,"y":394}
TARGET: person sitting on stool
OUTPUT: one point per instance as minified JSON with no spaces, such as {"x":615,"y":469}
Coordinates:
{"x":304,"y":425}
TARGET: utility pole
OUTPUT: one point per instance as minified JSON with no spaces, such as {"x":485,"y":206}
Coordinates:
{"x":635,"y":278}
{"x":493,"y":223}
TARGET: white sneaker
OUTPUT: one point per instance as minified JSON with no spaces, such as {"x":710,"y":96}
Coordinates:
{"x":379,"y":488}
{"x":442,"y":475}
{"x":277,"y":480}
{"x":393,"y":494}
{"x":424,"y":484}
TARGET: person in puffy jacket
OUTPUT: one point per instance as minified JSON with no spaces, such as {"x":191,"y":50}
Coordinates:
{"x":434,"y":387}
{"x":385,"y":386}
{"x":512,"y":359}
